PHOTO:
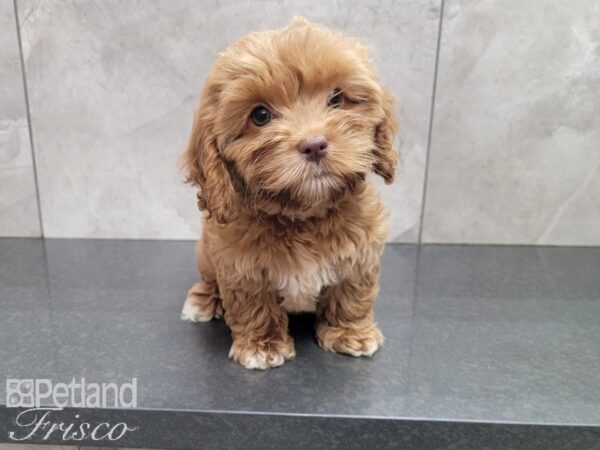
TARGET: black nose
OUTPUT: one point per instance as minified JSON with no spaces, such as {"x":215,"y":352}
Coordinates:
{"x":314,"y":148}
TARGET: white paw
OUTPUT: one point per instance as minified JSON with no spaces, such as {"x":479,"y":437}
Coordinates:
{"x":262,"y":360}
{"x":253,"y":357}
{"x":354,"y":342}
{"x":193,"y":313}
{"x":370,"y":346}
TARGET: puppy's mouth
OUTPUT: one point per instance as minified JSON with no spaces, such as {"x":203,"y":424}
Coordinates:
{"x":317,"y":170}
{"x":318,"y":187}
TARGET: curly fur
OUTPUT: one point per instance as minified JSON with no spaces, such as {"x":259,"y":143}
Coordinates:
{"x":282,"y":234}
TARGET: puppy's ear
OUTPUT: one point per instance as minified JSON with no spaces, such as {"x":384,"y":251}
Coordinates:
{"x":204,"y":167}
{"x":386,"y":156}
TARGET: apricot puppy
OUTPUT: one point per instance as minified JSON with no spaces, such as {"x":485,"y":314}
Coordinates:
{"x":289,"y":124}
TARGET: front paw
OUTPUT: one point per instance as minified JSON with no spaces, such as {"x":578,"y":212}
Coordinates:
{"x":262,"y":354}
{"x":356,"y":341}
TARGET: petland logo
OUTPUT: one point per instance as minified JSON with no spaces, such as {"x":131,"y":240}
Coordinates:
{"x":42,"y":397}
{"x":32,"y":393}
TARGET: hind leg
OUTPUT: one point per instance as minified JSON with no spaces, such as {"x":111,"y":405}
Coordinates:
{"x":203,"y":302}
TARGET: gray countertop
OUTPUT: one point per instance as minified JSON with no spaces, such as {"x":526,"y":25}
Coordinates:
{"x":488,"y":346}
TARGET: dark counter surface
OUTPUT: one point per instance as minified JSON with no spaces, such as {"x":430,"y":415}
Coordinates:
{"x":483,"y":345}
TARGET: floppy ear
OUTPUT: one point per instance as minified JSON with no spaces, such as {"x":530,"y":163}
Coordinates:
{"x":386,"y":156}
{"x":205,"y":168}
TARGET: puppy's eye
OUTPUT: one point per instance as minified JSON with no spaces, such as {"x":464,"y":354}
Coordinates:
{"x":260,"y":116}
{"x":336,"y":98}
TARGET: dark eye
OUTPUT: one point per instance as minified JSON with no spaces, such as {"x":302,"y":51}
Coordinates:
{"x":335,"y":99}
{"x":260,"y":116}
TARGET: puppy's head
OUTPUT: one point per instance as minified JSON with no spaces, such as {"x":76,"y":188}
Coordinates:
{"x":289,"y":121}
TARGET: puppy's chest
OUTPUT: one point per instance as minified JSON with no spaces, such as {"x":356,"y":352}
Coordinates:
{"x":300,"y":290}
{"x":297,"y":267}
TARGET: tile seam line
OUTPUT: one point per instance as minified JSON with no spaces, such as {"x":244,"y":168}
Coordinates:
{"x":431,"y":118}
{"x":29,"y":123}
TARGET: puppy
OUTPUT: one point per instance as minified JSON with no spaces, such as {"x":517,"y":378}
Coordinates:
{"x":289,"y":124}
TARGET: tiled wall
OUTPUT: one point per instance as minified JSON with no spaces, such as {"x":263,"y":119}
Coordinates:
{"x":18,"y":203}
{"x":514,"y":145}
{"x":515,"y":152}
